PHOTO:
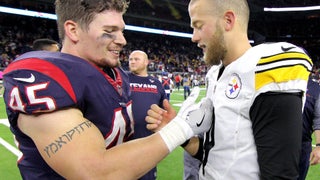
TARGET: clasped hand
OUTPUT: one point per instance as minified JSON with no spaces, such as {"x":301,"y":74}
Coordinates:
{"x":198,"y":116}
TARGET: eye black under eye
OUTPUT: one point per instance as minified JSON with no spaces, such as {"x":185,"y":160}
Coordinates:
{"x":108,"y":35}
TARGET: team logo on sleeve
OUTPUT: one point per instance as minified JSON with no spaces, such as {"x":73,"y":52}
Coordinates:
{"x":233,"y":87}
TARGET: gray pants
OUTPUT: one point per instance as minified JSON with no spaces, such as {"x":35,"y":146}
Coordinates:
{"x":191,"y":167}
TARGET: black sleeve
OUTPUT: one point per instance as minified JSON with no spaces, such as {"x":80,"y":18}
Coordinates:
{"x":277,"y":129}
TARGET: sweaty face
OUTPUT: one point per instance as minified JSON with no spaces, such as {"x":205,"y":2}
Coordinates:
{"x":138,"y":63}
{"x":102,"y":42}
{"x":207,"y":33}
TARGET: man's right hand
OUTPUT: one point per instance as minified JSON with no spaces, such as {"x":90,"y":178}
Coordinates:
{"x":192,"y":119}
{"x":158,"y":117}
{"x":198,"y":116}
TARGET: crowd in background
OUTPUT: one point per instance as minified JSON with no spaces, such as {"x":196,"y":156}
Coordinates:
{"x":166,"y":53}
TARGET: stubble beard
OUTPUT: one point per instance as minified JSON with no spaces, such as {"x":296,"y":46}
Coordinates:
{"x":216,"y":48}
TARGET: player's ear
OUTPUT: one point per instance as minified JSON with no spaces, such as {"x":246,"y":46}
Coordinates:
{"x":229,"y":20}
{"x":71,"y":29}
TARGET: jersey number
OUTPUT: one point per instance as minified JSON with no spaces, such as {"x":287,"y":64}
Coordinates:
{"x":16,"y":102}
{"x":119,"y":132}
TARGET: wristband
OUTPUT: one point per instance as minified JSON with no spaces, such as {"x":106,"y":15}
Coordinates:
{"x":175,"y":133}
{"x":318,"y":145}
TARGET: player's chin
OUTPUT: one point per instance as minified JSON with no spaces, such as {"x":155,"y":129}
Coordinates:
{"x":115,"y":64}
{"x":210,"y":61}
{"x":110,"y":63}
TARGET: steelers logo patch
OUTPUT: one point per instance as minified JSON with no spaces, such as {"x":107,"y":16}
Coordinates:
{"x":234,"y":86}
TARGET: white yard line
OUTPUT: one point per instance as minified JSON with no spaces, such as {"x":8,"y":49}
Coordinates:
{"x":11,"y":148}
{"x":5,"y":122}
{"x":177,"y":105}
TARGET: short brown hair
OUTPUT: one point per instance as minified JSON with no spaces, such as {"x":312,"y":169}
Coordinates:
{"x":41,"y":44}
{"x":83,"y":11}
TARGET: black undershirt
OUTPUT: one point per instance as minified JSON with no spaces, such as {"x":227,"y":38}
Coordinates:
{"x":110,"y":72}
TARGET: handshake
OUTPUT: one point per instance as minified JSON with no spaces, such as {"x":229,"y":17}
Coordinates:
{"x":192,"y":119}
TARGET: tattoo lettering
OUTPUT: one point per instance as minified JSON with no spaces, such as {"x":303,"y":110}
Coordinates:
{"x":55,"y":146}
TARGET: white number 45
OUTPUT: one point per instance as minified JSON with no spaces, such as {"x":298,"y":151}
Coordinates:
{"x":16,"y":103}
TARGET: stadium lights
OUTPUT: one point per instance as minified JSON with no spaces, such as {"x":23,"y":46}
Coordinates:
{"x":288,"y":9}
{"x":127,"y":27}
{"x":157,"y":31}
{"x":27,"y":13}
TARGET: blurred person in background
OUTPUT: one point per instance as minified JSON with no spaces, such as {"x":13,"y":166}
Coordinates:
{"x":177,"y":79}
{"x":186,"y":82}
{"x":311,"y":124}
{"x":167,"y":84}
{"x":145,"y":91}
{"x":45,"y":45}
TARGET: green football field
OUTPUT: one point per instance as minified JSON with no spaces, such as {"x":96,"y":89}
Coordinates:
{"x":171,"y":168}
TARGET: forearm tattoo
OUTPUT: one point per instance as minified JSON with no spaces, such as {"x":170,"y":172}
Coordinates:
{"x":55,"y":146}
